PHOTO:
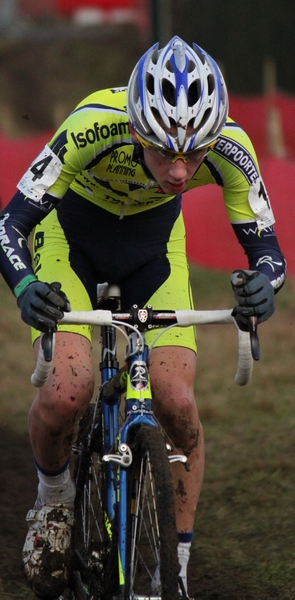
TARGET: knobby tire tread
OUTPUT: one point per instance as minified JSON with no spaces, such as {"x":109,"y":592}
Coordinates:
{"x":83,"y":584}
{"x":148,"y":440}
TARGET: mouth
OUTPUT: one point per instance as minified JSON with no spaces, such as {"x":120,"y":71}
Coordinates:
{"x":176,"y":187}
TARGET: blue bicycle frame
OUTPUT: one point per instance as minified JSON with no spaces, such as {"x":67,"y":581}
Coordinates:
{"x":138,"y":409}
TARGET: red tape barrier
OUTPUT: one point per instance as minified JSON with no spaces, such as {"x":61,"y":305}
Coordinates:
{"x":264,"y":119}
{"x":204,"y":210}
{"x":206,"y":219}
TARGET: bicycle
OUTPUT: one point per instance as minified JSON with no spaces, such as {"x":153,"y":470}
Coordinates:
{"x":124,"y":530}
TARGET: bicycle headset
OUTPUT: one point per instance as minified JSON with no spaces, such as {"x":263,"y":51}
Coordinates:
{"x":177,"y":98}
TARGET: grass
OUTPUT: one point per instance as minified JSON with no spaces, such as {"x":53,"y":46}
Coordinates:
{"x":243,"y":547}
{"x":244,"y":540}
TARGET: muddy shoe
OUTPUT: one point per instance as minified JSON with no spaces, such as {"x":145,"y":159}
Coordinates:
{"x":46,"y":550}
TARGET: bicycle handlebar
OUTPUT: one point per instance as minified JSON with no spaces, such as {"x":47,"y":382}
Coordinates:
{"x":181,"y":318}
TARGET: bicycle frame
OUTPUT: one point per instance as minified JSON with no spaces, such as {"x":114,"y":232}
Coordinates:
{"x":138,"y":409}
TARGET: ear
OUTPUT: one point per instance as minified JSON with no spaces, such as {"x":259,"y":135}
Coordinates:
{"x":133,"y":134}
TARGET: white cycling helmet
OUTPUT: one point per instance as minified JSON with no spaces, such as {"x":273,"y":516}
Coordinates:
{"x":177,"y":98}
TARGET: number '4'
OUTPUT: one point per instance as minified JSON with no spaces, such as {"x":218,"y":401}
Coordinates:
{"x":39,"y":167}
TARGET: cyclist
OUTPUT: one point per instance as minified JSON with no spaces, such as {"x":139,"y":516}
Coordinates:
{"x":104,"y":197}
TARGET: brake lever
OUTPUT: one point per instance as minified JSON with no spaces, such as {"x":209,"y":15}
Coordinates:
{"x":238,"y":279}
{"x":254,"y":340}
{"x":47,"y":344}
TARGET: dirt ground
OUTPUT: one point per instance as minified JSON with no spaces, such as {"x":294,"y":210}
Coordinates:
{"x":17,"y":495}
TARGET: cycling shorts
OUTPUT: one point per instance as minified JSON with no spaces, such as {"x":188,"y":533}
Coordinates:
{"x":80,"y":245}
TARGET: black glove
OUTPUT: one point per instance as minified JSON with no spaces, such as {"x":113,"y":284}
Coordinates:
{"x":255,"y":296}
{"x":42,"y":305}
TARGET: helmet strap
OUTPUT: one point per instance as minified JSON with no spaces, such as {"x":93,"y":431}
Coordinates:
{"x":138,"y":156}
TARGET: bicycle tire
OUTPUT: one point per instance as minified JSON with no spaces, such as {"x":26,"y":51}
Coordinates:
{"x":90,"y":538}
{"x":151,"y":529}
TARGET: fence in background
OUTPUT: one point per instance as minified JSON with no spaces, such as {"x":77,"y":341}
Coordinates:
{"x":83,"y":12}
{"x":204,"y":209}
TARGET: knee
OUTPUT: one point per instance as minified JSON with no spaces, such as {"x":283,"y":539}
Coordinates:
{"x":71,"y":400}
{"x":63,"y":402}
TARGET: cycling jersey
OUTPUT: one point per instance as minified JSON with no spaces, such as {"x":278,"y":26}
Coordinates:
{"x":80,"y":244}
{"x":92,"y":154}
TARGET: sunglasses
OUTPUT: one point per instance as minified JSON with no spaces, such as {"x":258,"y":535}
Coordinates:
{"x":169,"y":156}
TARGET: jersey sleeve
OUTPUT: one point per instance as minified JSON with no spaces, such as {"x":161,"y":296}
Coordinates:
{"x":17,"y":220}
{"x":55,"y":167}
{"x":263,"y":252}
{"x":39,"y":191}
{"x":233,"y":165}
{"x":97,"y":124}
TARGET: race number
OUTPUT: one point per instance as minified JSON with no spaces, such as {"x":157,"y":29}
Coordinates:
{"x":41,"y":174}
{"x":260,"y":204}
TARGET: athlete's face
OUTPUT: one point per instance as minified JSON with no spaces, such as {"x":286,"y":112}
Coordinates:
{"x":170,"y":170}
{"x":172,"y":173}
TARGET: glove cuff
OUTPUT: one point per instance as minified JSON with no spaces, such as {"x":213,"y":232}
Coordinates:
{"x":23,"y":284}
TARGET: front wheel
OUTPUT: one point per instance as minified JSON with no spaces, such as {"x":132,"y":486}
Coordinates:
{"x":152,"y":563}
{"x":90,"y":541}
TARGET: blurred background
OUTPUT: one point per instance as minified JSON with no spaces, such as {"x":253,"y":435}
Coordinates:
{"x":55,"y":52}
{"x":52,"y":54}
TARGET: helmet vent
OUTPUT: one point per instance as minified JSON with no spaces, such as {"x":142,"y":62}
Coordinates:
{"x":205,"y":118}
{"x":211,"y":84}
{"x":150,"y":84}
{"x":159,"y":119}
{"x":194,"y":92}
{"x":156,"y":114}
{"x":191,"y":66}
{"x":154,"y":56}
{"x":169,"y":92}
{"x":199,"y":53}
{"x":169,"y":66}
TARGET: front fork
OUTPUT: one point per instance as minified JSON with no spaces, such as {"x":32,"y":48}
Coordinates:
{"x":110,"y":419}
{"x":138,"y":409}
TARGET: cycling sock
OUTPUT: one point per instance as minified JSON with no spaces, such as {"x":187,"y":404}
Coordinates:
{"x":55,"y":488}
{"x":183,"y":551}
{"x":185,"y":537}
{"x":52,"y":473}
